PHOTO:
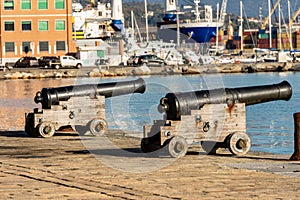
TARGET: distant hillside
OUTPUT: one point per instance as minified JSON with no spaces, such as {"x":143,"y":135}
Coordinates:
{"x":251,"y":7}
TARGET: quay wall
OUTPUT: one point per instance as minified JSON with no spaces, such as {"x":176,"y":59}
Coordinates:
{"x":105,"y":71}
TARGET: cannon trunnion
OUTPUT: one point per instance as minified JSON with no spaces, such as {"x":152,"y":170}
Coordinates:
{"x":215,"y":119}
{"x":81,"y":107}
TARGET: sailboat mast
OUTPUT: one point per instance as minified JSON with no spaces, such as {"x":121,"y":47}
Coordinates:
{"x":146,"y":18}
{"x":132,"y":21}
{"x":270,"y":24}
{"x":137,"y":27}
{"x":280,"y":31}
{"x":290,"y":27}
{"x":217,"y":38}
{"x":241,"y":9}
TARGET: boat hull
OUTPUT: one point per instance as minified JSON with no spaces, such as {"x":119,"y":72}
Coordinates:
{"x":191,"y":34}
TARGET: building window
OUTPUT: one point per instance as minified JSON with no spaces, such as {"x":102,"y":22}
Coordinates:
{"x":9,"y":47}
{"x":102,"y":27}
{"x":8,"y":4}
{"x":100,"y":53}
{"x":44,"y":46}
{"x":60,"y":25}
{"x":59,"y":4}
{"x":26,"y":47}
{"x":43,"y":4}
{"x":43,"y":25}
{"x":60,"y":45}
{"x":26,"y":26}
{"x":25,"y":4}
{"x":9,"y":26}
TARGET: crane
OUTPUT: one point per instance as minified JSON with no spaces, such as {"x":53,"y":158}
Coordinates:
{"x":263,"y":25}
{"x":294,"y":17}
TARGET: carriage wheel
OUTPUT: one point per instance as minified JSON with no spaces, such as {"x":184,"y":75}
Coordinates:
{"x":239,"y":143}
{"x":98,"y":127}
{"x":46,"y":129}
{"x":177,"y":147}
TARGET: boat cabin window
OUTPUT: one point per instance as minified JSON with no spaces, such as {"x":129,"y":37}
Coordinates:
{"x":102,"y":26}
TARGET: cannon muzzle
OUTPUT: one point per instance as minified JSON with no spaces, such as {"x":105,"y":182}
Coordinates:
{"x":52,"y":96}
{"x":177,"y":104}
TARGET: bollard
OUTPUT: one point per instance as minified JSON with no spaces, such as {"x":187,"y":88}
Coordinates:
{"x":296,"y":154}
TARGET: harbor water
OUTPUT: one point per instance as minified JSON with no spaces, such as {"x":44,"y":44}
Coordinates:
{"x":269,"y":125}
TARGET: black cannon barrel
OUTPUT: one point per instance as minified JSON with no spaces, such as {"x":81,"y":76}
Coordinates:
{"x":52,"y":96}
{"x":177,"y":104}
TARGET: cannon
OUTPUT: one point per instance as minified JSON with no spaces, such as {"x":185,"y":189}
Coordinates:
{"x":213,"y":118}
{"x":80,"y":106}
{"x":52,"y":96}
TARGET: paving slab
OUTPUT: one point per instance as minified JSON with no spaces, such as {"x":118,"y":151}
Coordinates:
{"x":67,"y":167}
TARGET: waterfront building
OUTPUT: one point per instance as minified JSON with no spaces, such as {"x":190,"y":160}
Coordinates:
{"x":92,"y":22}
{"x":35,"y":28}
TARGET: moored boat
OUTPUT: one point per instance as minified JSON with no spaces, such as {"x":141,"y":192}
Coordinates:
{"x":197,"y":30}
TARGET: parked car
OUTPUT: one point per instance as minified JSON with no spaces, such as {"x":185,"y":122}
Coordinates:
{"x":44,"y":61}
{"x":150,"y":59}
{"x":65,"y":61}
{"x":27,"y":61}
{"x":132,"y":60}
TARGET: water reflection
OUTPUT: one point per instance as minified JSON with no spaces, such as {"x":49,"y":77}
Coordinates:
{"x":16,"y":99}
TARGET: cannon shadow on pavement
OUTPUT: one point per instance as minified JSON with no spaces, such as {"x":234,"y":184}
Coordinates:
{"x":13,"y":133}
{"x":124,"y":153}
{"x":23,"y":134}
{"x":254,"y":156}
{"x":136,"y":152}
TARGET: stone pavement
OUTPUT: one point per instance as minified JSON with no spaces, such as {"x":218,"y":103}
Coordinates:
{"x":62,"y":168}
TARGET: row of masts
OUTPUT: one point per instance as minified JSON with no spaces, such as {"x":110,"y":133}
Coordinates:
{"x":221,"y":12}
{"x":221,"y":17}
{"x":268,"y":20}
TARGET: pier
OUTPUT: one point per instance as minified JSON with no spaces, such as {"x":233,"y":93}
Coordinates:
{"x":62,"y":168}
{"x":111,"y":71}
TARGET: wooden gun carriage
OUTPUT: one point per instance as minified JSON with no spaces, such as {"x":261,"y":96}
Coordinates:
{"x":82,"y":107}
{"x":214,"y":118}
